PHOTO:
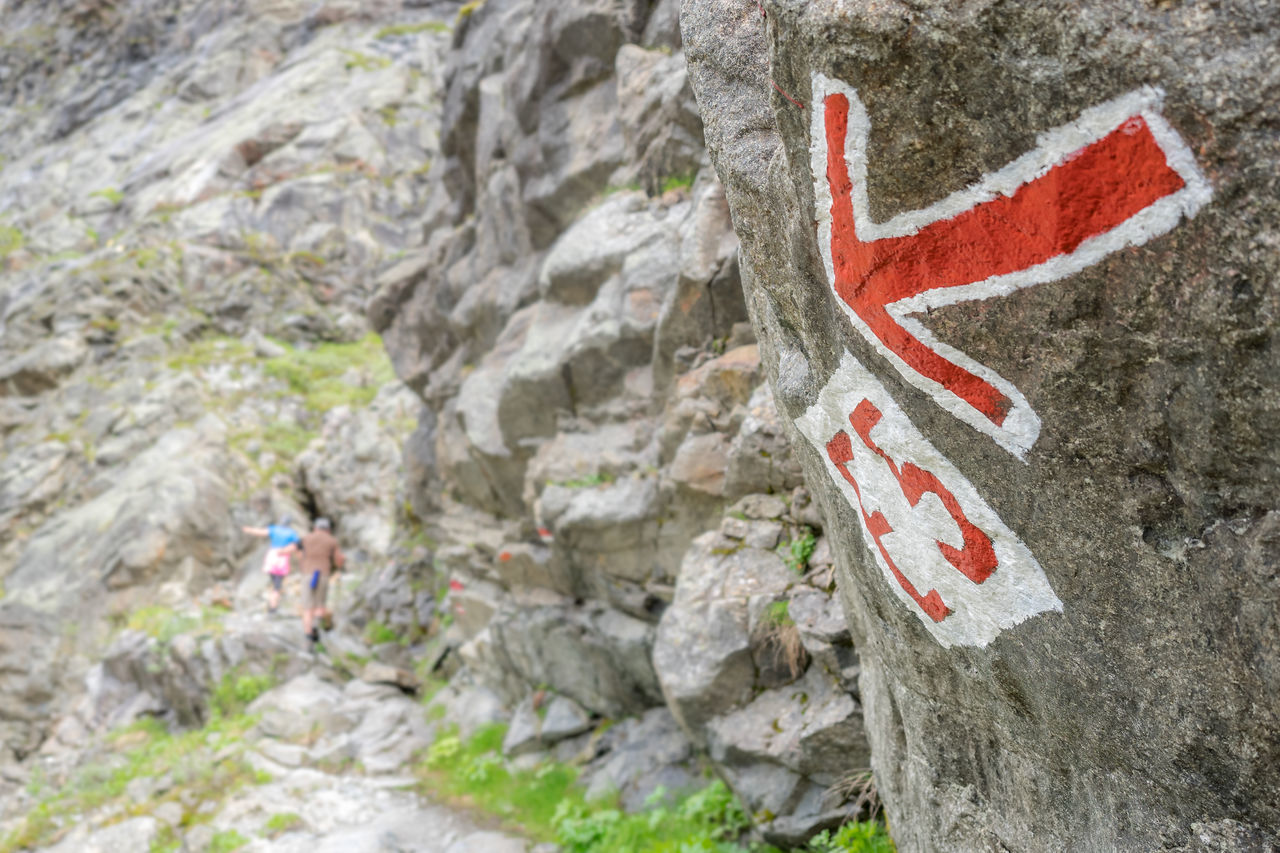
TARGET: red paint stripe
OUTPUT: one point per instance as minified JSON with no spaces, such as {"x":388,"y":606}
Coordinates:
{"x":840,"y":452}
{"x":976,"y":557}
{"x":1095,"y":190}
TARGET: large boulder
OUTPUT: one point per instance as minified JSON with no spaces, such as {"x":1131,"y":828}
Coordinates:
{"x":1052,"y":510}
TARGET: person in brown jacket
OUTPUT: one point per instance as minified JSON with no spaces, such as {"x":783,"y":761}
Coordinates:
{"x":320,"y":557}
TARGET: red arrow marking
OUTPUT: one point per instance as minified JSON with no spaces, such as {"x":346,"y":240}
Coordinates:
{"x":1115,"y":177}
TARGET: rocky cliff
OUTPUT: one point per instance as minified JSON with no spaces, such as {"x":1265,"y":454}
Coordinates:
{"x":1013,"y":267}
{"x":576,"y":325}
{"x":573,"y":499}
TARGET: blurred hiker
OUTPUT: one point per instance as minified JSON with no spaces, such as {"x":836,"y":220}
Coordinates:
{"x":320,"y":557}
{"x":283,"y":541}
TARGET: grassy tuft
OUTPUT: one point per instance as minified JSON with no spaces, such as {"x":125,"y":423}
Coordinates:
{"x":412,"y":29}
{"x":280,"y":823}
{"x":165,"y":623}
{"x":11,"y":240}
{"x":862,"y":837}
{"x":111,"y":194}
{"x":545,"y":803}
{"x":235,"y":692}
{"x":226,"y":841}
{"x":377,"y":633}
{"x":319,"y":375}
{"x":796,"y":553}
{"x":591,"y":481}
{"x":678,"y":182}
{"x":196,"y":778}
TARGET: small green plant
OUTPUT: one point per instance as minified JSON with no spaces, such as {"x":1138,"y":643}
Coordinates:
{"x":861,"y":837}
{"x":363,"y":61}
{"x":166,"y":840}
{"x":280,"y":823}
{"x":235,"y":692}
{"x":546,"y":803}
{"x":377,"y":633}
{"x":11,"y":240}
{"x":778,"y":613}
{"x":678,"y":182}
{"x":591,"y":481}
{"x":778,"y":633}
{"x":796,"y":553}
{"x":226,"y":841}
{"x":443,"y":752}
{"x":111,"y":194}
{"x":412,"y":29}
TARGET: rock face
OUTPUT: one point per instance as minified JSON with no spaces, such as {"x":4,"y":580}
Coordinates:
{"x":576,"y":328}
{"x":1053,"y":510}
{"x":757,"y":667}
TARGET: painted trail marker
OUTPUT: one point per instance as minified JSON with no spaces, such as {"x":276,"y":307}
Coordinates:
{"x":944,"y":552}
{"x":1116,"y":176}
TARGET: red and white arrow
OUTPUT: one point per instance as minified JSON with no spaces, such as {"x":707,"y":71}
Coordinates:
{"x":1116,"y":176}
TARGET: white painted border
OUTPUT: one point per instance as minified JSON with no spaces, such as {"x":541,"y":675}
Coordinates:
{"x":1022,"y":426}
{"x":1018,"y":588}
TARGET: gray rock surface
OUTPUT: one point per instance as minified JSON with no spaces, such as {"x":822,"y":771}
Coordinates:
{"x":1150,"y":371}
{"x":752,"y":662}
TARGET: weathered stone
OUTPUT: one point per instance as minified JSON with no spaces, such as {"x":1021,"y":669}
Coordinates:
{"x":564,"y":718}
{"x":1124,"y":357}
{"x":380,"y":673}
{"x":811,"y":728}
{"x":594,"y":655}
{"x":659,"y":116}
{"x":702,"y":650}
{"x":640,"y":754}
{"x":43,"y":367}
{"x":137,"y":833}
{"x":523,"y":733}
{"x":292,"y":710}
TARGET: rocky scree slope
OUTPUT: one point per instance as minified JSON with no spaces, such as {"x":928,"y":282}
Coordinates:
{"x":194,"y":201}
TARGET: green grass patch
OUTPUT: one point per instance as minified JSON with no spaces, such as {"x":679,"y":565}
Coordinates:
{"x":319,"y":374}
{"x":861,"y":837}
{"x":376,"y":633}
{"x":779,"y":614}
{"x":111,"y":194}
{"x":591,"y":481}
{"x":357,"y":61}
{"x":678,"y":182}
{"x":234,"y":693}
{"x":144,"y":750}
{"x":226,"y":841}
{"x":208,"y":351}
{"x":11,"y":240}
{"x":412,"y":29}
{"x":165,"y":623}
{"x":546,"y":803}
{"x":280,"y":823}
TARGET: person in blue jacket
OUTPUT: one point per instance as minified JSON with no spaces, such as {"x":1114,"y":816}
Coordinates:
{"x":283,"y":541}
